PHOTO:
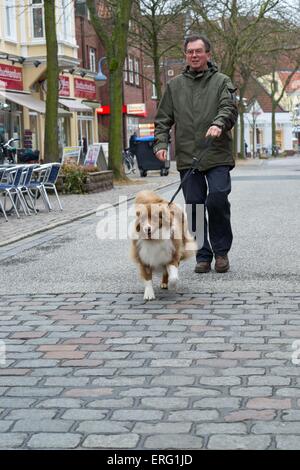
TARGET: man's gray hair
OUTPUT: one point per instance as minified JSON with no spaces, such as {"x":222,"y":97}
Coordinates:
{"x":197,"y":37}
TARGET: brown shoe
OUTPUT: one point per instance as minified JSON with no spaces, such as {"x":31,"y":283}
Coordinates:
{"x":222,"y":264}
{"x":202,"y":267}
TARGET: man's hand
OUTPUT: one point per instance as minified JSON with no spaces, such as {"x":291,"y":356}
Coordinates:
{"x":213,"y":131}
{"x":161,"y":155}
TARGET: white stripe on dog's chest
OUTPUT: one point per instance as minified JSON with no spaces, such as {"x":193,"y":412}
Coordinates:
{"x":155,"y":253}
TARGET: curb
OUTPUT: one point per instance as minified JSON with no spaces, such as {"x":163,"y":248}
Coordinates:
{"x":68,"y":221}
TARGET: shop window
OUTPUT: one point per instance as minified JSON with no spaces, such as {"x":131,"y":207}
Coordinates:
{"x":10,"y":19}
{"x":137,"y":72}
{"x":92,"y":59}
{"x":37,"y":19}
{"x":130,"y":67}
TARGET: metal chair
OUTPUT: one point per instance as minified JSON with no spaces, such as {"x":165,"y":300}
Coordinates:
{"x":49,"y":183}
{"x":10,"y":187}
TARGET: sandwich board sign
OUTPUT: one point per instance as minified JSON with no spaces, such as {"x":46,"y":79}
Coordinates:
{"x":71,"y":155}
{"x":95,"y":156}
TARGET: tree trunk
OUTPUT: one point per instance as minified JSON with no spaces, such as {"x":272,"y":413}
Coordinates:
{"x":116,"y":123}
{"x":51,"y":132}
{"x":242,"y":134}
{"x":273,"y":128}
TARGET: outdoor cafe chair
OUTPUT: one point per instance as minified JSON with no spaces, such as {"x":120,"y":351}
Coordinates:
{"x":9,"y":187}
{"x":24,"y":185}
{"x":49,"y":183}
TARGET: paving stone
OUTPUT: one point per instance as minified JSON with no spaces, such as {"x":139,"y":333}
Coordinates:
{"x":107,"y":427}
{"x":175,"y":441}
{"x":11,"y":441}
{"x":34,"y":391}
{"x":193,"y":415}
{"x":82,"y":414}
{"x":54,"y":441}
{"x":30,"y":413}
{"x":220,"y":428}
{"x":255,"y":415}
{"x":120,"y":441}
{"x":44,"y":425}
{"x":147,"y":391}
{"x":222,"y":441}
{"x":162,"y":428}
{"x":217,"y":403}
{"x":251,"y":391}
{"x":137,"y":415}
{"x":268,"y":403}
{"x":276,"y":428}
{"x":5,"y":425}
{"x":287,"y":442}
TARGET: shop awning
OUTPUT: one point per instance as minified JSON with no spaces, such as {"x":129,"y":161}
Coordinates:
{"x":91,"y":104}
{"x":25,"y":99}
{"x":75,"y":106}
{"x":30,"y":102}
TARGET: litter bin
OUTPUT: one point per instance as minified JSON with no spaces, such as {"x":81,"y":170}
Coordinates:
{"x":28,"y":156}
{"x":142,"y":147}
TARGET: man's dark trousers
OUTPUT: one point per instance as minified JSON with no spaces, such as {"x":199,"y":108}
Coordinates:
{"x":211,"y":188}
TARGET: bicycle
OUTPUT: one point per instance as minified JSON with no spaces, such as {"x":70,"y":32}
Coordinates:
{"x":8,"y":152}
{"x":128,"y":161}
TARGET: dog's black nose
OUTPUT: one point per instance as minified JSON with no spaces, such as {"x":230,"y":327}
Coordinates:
{"x":149,"y":231}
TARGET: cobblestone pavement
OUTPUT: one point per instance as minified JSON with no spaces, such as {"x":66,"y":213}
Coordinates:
{"x":192,"y":371}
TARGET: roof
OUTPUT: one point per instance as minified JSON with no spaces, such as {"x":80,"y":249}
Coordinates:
{"x":294,"y":84}
{"x":256,"y":91}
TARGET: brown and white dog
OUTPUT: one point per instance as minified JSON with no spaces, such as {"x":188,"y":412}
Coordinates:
{"x":160,"y":240}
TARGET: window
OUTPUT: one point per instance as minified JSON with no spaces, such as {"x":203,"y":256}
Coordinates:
{"x":92,"y":59}
{"x":130,"y":67}
{"x":66,"y":20}
{"x":37,"y":19}
{"x":137,"y":72}
{"x":154,"y":92}
{"x":126,"y":70}
{"x":10,"y":19}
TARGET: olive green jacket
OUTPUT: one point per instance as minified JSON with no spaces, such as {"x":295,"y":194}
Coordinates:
{"x":194,"y":101}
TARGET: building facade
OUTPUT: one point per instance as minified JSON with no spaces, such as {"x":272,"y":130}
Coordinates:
{"x":23,"y":84}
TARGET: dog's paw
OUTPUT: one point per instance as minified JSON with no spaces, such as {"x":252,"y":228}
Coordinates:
{"x":149,"y":293}
{"x":173,"y":276}
{"x":173,"y":283}
{"x":163,"y":285}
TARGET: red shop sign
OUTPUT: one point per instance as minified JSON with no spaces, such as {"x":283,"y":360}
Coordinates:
{"x":64,"y":86}
{"x":11,"y":77}
{"x":105,"y":109}
{"x":84,"y":89}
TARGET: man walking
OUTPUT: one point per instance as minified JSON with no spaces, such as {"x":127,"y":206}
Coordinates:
{"x":200,"y":102}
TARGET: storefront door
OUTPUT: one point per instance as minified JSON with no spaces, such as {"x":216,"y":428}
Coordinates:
{"x":85,"y":131}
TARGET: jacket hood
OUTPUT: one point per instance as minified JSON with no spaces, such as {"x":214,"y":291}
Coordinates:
{"x":212,"y":69}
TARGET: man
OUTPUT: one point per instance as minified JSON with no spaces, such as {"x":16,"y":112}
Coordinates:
{"x":200,"y":102}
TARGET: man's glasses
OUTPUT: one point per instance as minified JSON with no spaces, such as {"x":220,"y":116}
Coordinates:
{"x":195,"y":51}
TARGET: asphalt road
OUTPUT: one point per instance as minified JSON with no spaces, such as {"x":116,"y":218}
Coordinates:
{"x":265,"y":203}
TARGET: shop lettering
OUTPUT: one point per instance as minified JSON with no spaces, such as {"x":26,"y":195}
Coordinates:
{"x":11,"y":77}
{"x":85,"y":89}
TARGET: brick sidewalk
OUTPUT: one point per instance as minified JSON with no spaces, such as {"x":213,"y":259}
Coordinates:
{"x":190,"y":371}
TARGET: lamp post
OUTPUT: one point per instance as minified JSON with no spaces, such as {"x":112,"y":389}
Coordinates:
{"x":100,"y":77}
{"x":254,"y":113}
